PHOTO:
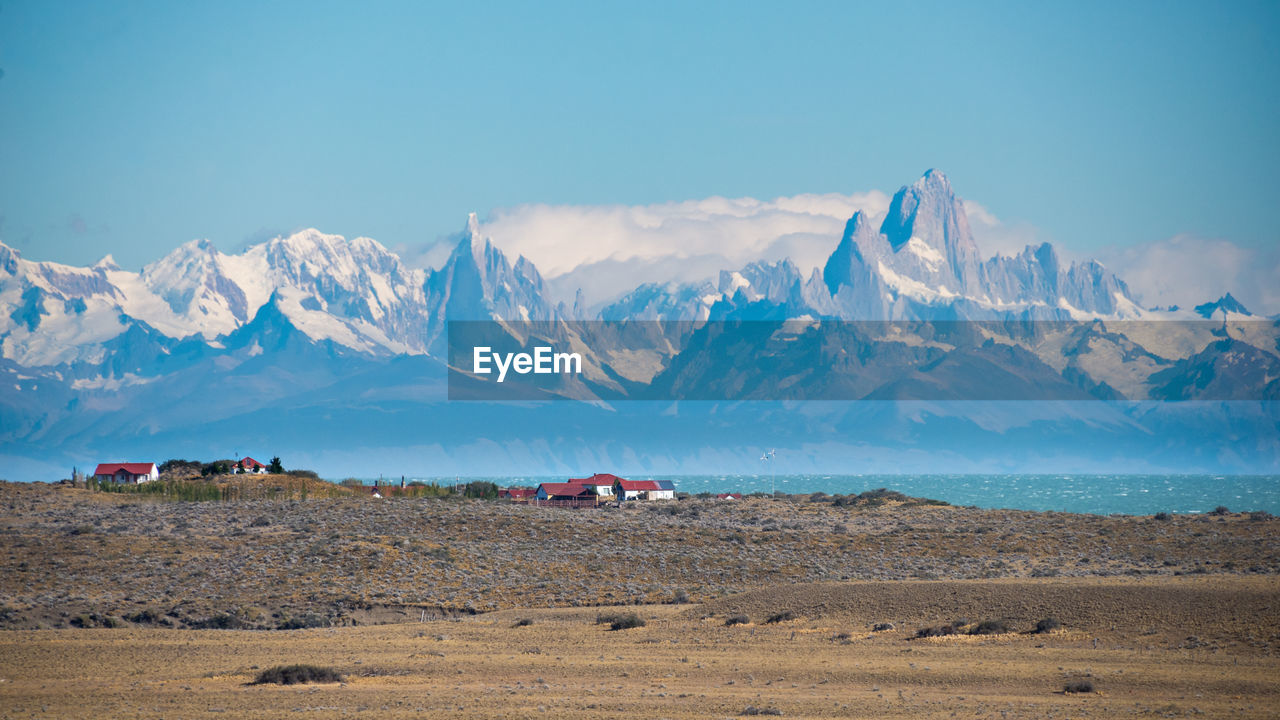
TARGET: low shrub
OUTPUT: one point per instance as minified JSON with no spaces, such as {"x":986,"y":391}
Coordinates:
{"x":221,"y":621}
{"x":1078,"y":685}
{"x":523,"y":622}
{"x":680,"y":597}
{"x":882,"y":627}
{"x":736,"y":620}
{"x":1220,"y":511}
{"x":146,"y":616}
{"x":297,"y":675}
{"x":784,"y":616}
{"x":1161,"y":516}
{"x":626,"y":622}
{"x":936,"y":631}
{"x":1047,"y":625}
{"x":753,"y":710}
{"x":990,"y":627}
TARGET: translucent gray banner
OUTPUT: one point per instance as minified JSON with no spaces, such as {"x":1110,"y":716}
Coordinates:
{"x":843,"y":360}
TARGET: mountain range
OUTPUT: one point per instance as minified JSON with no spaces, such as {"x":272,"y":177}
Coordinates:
{"x":333,"y":350}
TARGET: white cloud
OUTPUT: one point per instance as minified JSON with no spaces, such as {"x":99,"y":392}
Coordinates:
{"x":608,"y":250}
{"x":1185,"y":270}
{"x":612,"y":248}
{"x":996,"y":237}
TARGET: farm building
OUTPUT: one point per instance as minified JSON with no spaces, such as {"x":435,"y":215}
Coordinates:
{"x":517,"y":494}
{"x":643,"y":490}
{"x":600,"y":483}
{"x":566,"y":494}
{"x":249,"y":465}
{"x":126,"y":473}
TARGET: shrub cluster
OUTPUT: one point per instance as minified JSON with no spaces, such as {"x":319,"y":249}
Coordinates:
{"x":297,"y":674}
{"x":620,"y":621}
{"x":1078,"y":685}
{"x":1047,"y":625}
{"x":990,"y":627}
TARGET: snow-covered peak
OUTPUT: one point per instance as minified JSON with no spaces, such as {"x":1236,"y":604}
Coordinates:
{"x":1224,"y":305}
{"x":934,"y":180}
{"x":9,"y":259}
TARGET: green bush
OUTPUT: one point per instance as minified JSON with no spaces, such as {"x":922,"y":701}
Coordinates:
{"x":481,"y":489}
{"x":626,"y":622}
{"x":1078,"y":685}
{"x":1047,"y":625}
{"x":297,"y":674}
{"x":936,"y":631}
{"x":990,"y":627}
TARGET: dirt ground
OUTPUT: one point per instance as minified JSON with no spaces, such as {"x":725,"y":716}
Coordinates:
{"x":1205,"y":646}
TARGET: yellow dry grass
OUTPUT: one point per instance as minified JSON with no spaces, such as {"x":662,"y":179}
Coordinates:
{"x":684,"y":665}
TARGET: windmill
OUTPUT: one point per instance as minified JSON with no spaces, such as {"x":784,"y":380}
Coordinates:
{"x":767,"y":458}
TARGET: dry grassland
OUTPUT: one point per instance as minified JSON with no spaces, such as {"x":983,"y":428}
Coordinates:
{"x":102,"y":595}
{"x":683,"y":664}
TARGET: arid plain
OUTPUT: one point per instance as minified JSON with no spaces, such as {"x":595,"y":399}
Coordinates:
{"x":798,"y":607}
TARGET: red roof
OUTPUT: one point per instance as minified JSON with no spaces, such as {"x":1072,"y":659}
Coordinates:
{"x":639,"y":484}
{"x":597,"y":479}
{"x":729,"y":496}
{"x":131,"y":468}
{"x":564,"y":489}
{"x":518,"y":492}
{"x":251,"y":463}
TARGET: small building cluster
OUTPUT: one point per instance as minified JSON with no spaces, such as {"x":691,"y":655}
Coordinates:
{"x":134,"y":473}
{"x":593,"y":491}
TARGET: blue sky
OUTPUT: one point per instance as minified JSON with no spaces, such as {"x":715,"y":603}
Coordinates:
{"x":129,"y":128}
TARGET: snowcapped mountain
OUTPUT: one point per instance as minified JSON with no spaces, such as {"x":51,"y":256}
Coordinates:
{"x":314,"y":326}
{"x":478,"y":283}
{"x":922,"y":262}
{"x":1224,"y":305}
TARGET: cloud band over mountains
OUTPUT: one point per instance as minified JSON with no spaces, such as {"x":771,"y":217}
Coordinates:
{"x":605,"y":249}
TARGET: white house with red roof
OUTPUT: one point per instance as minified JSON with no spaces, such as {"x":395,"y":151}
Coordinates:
{"x":600,"y":483}
{"x":130,"y":473}
{"x":643,"y":490}
{"x":250,"y":466}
